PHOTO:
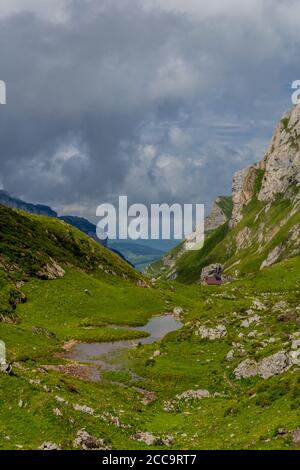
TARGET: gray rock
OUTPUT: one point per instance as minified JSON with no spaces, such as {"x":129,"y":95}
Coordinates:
{"x":247,"y":368}
{"x":177,"y":310}
{"x":51,"y":271}
{"x":266,"y":368}
{"x":273,"y":256}
{"x":274,"y":365}
{"x":296,"y":436}
{"x":146,"y":437}
{"x":212,"y":333}
{"x":211,"y":269}
{"x":87,"y":442}
{"x":193,"y":394}
{"x":84,"y":409}
{"x":49,"y":446}
{"x":6,"y":368}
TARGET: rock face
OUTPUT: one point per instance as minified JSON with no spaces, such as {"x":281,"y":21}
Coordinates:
{"x":242,"y":192}
{"x":281,"y":166}
{"x":216,"y":218}
{"x":272,"y":256}
{"x":282,"y":160}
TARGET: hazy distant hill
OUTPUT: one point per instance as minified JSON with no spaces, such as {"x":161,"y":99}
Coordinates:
{"x":138,"y":255}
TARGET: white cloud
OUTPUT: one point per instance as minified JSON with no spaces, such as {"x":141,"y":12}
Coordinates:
{"x":178,"y":137}
{"x":51,"y":10}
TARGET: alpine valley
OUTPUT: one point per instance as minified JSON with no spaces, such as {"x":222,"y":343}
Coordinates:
{"x":226,"y":377}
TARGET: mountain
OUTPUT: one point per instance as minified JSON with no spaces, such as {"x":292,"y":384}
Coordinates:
{"x":79,"y":222}
{"x":138,"y":255}
{"x":263,"y":226}
{"x":219,"y":216}
{"x":15,"y":203}
{"x":227,"y":379}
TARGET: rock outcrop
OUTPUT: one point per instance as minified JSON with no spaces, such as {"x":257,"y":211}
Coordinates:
{"x":266,"y":368}
{"x":281,"y":166}
{"x":51,"y":271}
{"x":242,"y":191}
{"x":282,"y":160}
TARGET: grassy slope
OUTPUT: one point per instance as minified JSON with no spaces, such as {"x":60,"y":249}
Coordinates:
{"x":249,"y":414}
{"x":29,"y":242}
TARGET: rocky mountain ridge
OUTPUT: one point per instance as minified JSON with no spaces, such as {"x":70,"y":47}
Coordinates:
{"x":264,"y":224}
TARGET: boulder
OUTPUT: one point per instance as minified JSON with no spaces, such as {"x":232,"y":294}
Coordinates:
{"x":274,"y":365}
{"x":49,"y":446}
{"x":193,"y":394}
{"x":296,"y":436}
{"x":210,"y":270}
{"x":247,"y":368}
{"x":266,"y":368}
{"x":212,"y":333}
{"x":146,"y":437}
{"x":85,"y":441}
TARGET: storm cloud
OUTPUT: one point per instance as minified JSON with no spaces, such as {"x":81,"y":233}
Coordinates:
{"x":158,"y":100}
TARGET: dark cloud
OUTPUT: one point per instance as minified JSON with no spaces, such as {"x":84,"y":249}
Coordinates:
{"x":114,"y":97}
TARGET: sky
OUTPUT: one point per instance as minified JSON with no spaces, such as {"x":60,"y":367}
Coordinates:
{"x":159,"y":100}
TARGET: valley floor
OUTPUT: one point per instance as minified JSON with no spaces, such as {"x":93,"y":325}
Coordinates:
{"x":140,"y":402}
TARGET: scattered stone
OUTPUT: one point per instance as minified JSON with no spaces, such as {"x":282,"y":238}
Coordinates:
{"x":146,"y":437}
{"x":156,"y":353}
{"x":282,"y":431}
{"x":84,"y":409}
{"x":61,"y":400}
{"x":57,"y":412}
{"x":34,"y":382}
{"x":193,"y":394}
{"x":177,"y":310}
{"x":296,"y":436}
{"x":22,"y":404}
{"x":212,"y":333}
{"x":141,"y":283}
{"x":295,"y":343}
{"x":87,"y":442}
{"x":254,"y":319}
{"x":5,"y":368}
{"x":168,"y":440}
{"x":247,"y":368}
{"x":258,"y":305}
{"x":49,"y":446}
{"x":281,"y":305}
{"x":230,"y":355}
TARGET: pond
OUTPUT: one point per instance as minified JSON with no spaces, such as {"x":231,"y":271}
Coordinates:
{"x":157,"y":328}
